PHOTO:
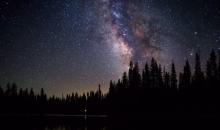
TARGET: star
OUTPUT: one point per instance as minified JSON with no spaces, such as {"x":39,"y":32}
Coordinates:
{"x":66,"y":46}
{"x":195,"y":33}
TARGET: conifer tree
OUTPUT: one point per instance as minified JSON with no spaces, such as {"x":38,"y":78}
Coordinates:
{"x":124,"y":80}
{"x":146,"y":76}
{"x":153,"y":74}
{"x":219,"y":66}
{"x":166,"y":80}
{"x":173,"y":78}
{"x":137,"y":76}
{"x":187,"y":75}
{"x":211,"y":70}
{"x":131,"y":74}
{"x":198,"y":76}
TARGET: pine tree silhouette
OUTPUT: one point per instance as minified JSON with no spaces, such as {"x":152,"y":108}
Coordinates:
{"x":198,"y":77}
{"x":219,"y":67}
{"x":166,"y":80}
{"x":146,"y":76}
{"x":211,"y":70}
{"x":160,"y":77}
{"x":1,"y":91}
{"x":154,"y":74}
{"x":152,"y":95}
{"x":173,"y":78}
{"x":131,"y":75}
{"x":186,"y":79}
{"x":136,"y":76}
{"x":124,"y":80}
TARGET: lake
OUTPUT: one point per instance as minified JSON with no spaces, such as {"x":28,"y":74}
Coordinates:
{"x":54,"y":122}
{"x":78,"y":122}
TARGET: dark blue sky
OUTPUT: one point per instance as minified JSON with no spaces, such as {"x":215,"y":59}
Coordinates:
{"x":73,"y":45}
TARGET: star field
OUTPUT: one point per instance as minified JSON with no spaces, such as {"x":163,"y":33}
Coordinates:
{"x":66,"y":45}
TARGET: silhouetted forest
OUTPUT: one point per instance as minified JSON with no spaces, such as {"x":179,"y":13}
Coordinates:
{"x":154,"y":93}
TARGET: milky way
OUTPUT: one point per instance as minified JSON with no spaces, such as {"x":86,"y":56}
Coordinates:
{"x":74,"y":45}
{"x":132,"y":33}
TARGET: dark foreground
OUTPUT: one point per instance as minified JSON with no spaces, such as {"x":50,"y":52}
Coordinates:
{"x":53,"y":122}
{"x":73,"y":122}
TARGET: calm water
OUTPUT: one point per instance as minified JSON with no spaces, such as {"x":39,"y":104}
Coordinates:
{"x":71,"y":122}
{"x":75,"y":123}
{"x":55,"y":123}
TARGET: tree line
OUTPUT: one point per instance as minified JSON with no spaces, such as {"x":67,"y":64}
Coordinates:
{"x":25,"y":101}
{"x":154,"y":91}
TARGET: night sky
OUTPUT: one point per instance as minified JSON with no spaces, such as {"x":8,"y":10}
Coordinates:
{"x":73,"y":45}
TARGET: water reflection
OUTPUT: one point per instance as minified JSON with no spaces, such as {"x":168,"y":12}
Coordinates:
{"x":54,"y":123}
{"x":74,"y":128}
